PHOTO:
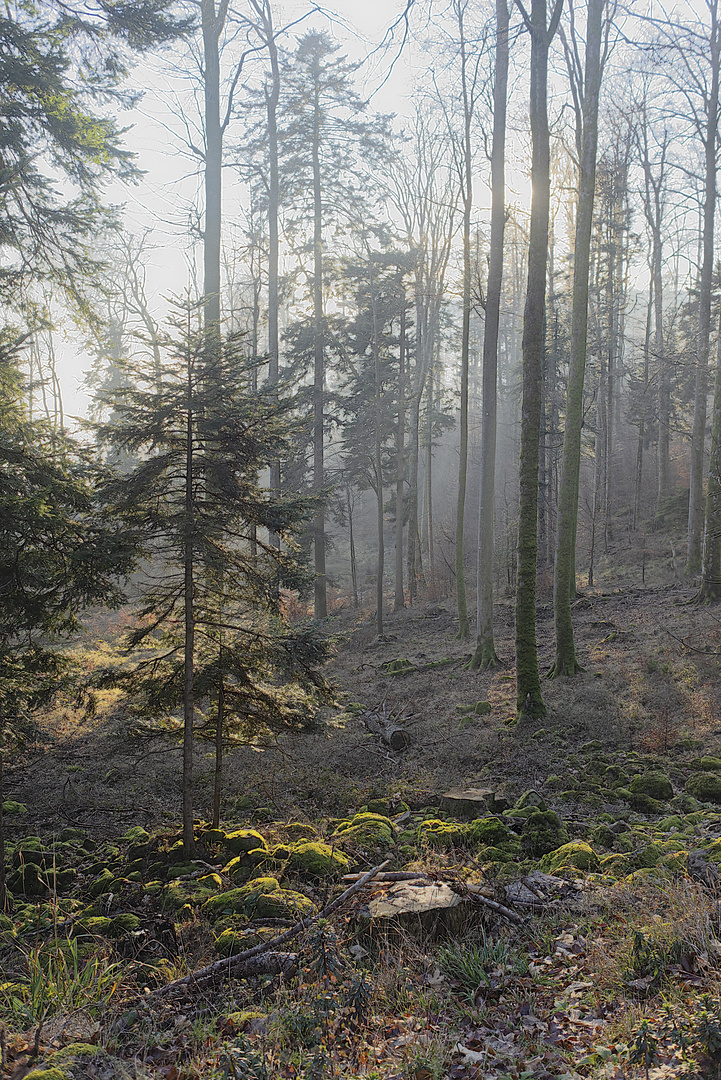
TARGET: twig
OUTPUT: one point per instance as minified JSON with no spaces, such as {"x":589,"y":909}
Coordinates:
{"x":226,"y":967}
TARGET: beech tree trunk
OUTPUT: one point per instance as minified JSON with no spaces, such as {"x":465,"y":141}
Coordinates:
{"x":710,"y":138}
{"x":564,"y":583}
{"x":399,"y":600}
{"x":711,"y":570}
{"x":528,"y":686}
{"x":485,"y":652}
{"x":467,"y":186}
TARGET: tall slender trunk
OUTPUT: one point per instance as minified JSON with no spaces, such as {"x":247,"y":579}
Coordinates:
{"x":644,"y":408}
{"x":272,"y":97}
{"x":399,"y":601}
{"x":3,"y":893}
{"x":320,"y":606}
{"x":189,"y":625}
{"x":218,"y":776}
{"x":711,"y":570}
{"x":528,"y":686}
{"x":351,"y":544}
{"x":464,"y":630}
{"x":212,"y":26}
{"x":377,"y":458}
{"x":564,"y":583}
{"x":485,"y":652}
{"x":710,"y":139}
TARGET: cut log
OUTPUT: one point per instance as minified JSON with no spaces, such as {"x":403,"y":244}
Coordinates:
{"x":427,"y":909}
{"x":472,"y":802}
{"x":385,"y":726}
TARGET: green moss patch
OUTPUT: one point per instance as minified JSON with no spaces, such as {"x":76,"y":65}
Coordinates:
{"x":577,"y":854}
{"x":244,"y":840}
{"x":654,"y":783}
{"x":704,"y":786}
{"x":317,"y":860}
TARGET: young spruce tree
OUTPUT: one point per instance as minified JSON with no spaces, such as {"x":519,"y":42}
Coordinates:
{"x":211,"y":582}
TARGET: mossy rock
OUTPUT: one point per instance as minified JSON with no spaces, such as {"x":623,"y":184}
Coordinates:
{"x":279,"y":904}
{"x":29,"y":880}
{"x":648,"y":856}
{"x":576,"y":854}
{"x":213,"y":836}
{"x":317,"y":860}
{"x":542,"y":832}
{"x":243,"y":840}
{"x":299,"y":830}
{"x":366,"y":831}
{"x":705,"y":786}
{"x":482,"y":708}
{"x":80,"y":1061}
{"x":212,"y":882}
{"x":654,"y":783}
{"x":441,"y":834}
{"x":11,"y":808}
{"x":230,"y":941}
{"x":102,"y":882}
{"x":181,"y":870}
{"x":618,"y":866}
{"x":23,"y":855}
{"x":531,"y":800}
{"x":710,"y":763}
{"x":643,"y":803}
{"x":670,"y":823}
{"x":603,"y":836}
{"x":93,"y":925}
{"x":494,"y":854}
{"x":488,"y":831}
{"x":555,"y":782}
{"x":126,"y":923}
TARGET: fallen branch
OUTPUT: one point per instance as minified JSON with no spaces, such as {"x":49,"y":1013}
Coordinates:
{"x":238,"y":964}
{"x":474,"y":892}
{"x":392,"y":875}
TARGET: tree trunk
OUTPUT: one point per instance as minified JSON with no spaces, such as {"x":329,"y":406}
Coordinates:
{"x":711,"y":572}
{"x":212,"y":26}
{"x":644,"y":407}
{"x":218,"y":777}
{"x":528,"y":686}
{"x":399,"y":600}
{"x":564,"y":583}
{"x":3,"y":894}
{"x":272,"y":97}
{"x":695,"y":506}
{"x":378,"y":461}
{"x":351,"y":542}
{"x":464,"y":630}
{"x":321,"y":605}
{"x":189,"y":618}
{"x":485,"y":652}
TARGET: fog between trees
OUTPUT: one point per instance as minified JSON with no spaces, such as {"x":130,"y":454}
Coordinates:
{"x":420,"y":326}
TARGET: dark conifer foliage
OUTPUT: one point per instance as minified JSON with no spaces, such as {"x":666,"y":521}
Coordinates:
{"x":61,"y":64}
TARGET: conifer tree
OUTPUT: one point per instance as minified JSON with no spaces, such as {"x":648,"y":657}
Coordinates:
{"x":57,"y":556}
{"x":211,"y":581}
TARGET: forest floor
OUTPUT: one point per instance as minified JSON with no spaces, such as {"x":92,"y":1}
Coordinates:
{"x":613,"y":970}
